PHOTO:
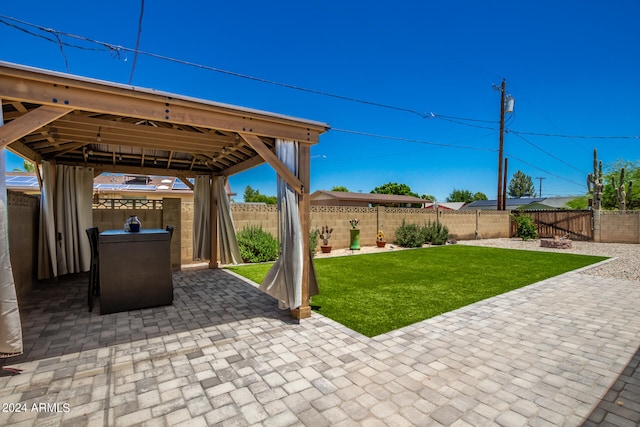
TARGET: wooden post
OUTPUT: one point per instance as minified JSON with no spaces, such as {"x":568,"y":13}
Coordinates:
{"x":304,"y":310}
{"x":213,"y":219}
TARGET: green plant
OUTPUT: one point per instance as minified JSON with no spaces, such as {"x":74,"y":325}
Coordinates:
{"x":435,"y":233}
{"x":325,"y":234}
{"x":313,"y":242}
{"x":409,"y":236}
{"x":621,"y":194}
{"x":525,"y":227}
{"x":257,"y":245}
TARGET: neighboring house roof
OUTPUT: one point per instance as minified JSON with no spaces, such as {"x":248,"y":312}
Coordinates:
{"x":526,"y":203}
{"x":493,"y":204}
{"x":382,"y":199}
{"x":454,"y":206}
{"x":557,"y":202}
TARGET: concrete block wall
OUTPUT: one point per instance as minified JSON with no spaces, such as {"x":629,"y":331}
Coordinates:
{"x":338,"y":217}
{"x":462,"y":225}
{"x":617,"y":227}
{"x":493,"y":224}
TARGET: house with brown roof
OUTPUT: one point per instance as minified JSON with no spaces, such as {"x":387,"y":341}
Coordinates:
{"x":341,"y":198}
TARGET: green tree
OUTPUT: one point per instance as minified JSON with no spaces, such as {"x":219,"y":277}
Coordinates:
{"x":521,"y":185}
{"x":27,"y":167}
{"x":579,"y":203}
{"x":340,"y":188}
{"x":394,"y":188}
{"x":631,"y":173}
{"x":254,"y":196}
{"x":428,"y":197}
{"x":480,"y":196}
{"x":460,"y":196}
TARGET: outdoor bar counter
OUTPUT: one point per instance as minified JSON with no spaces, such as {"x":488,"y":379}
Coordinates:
{"x":135,"y":270}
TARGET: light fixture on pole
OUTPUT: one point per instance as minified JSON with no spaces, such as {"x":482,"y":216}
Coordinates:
{"x":506,"y":106}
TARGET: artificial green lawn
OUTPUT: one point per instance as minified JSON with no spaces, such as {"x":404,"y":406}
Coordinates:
{"x":377,"y":293}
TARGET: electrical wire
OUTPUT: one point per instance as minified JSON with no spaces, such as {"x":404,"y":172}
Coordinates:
{"x":118,"y":49}
{"x":136,"y":51}
{"x":542,"y":170}
{"x":417,"y":141}
{"x":135,"y":55}
{"x":549,"y":154}
{"x":574,"y":136}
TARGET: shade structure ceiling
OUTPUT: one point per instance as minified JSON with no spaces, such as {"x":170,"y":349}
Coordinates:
{"x":118,"y":128}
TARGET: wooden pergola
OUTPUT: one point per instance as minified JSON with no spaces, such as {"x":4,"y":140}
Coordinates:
{"x":118,"y":128}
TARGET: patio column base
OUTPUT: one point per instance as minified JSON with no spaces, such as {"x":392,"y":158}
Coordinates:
{"x":301,"y":312}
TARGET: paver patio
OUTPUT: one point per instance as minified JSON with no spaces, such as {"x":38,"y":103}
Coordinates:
{"x":558,"y":352}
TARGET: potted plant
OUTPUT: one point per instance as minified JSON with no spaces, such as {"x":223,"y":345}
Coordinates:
{"x":380,"y":242}
{"x":325,"y":234}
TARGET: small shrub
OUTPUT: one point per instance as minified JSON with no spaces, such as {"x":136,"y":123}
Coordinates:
{"x":313,"y":242}
{"x":409,"y":236}
{"x":435,"y":233}
{"x":525,"y":227}
{"x":257,"y":245}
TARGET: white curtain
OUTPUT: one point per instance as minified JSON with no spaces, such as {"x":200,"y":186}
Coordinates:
{"x":65,"y":214}
{"x":284,"y":279}
{"x":202,"y":218}
{"x":229,"y":249}
{"x":74,"y":188}
{"x":10,"y":326}
{"x":47,"y":262}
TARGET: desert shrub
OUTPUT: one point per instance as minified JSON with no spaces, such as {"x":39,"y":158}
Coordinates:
{"x":257,"y":245}
{"x":435,"y":233}
{"x":525,"y":227}
{"x":409,"y":236}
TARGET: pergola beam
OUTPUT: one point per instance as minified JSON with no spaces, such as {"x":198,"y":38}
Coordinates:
{"x":284,"y":172}
{"x":30,"y":122}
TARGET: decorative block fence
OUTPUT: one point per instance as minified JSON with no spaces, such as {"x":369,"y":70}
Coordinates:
{"x":23,"y":216}
{"x":462,"y":225}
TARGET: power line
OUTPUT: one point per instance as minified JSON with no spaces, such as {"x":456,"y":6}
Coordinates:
{"x":545,"y":171}
{"x":136,"y":51}
{"x":549,"y":154}
{"x":418,"y":141}
{"x":135,"y":55}
{"x":117,"y":49}
{"x":574,"y":136}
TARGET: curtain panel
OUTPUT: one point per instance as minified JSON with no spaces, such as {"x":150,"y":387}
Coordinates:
{"x":284,"y":279}
{"x":229,"y":249}
{"x":201,"y":218}
{"x":10,"y":325}
{"x":65,"y":214}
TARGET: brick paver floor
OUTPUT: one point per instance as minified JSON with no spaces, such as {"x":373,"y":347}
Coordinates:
{"x":563,"y":351}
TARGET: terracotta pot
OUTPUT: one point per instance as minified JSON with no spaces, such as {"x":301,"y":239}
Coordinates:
{"x":325,"y":249}
{"x":380,"y":243}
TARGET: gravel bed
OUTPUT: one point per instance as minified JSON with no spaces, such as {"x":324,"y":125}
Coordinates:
{"x":624,"y":265}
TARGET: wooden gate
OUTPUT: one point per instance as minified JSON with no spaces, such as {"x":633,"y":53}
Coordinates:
{"x":574,"y":224}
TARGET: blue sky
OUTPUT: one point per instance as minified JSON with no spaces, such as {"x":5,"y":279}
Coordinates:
{"x":572,"y":66}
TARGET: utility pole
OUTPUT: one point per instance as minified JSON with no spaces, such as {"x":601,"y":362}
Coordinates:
{"x":501,"y":146}
{"x":540,"y":186}
{"x":506,"y":106}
